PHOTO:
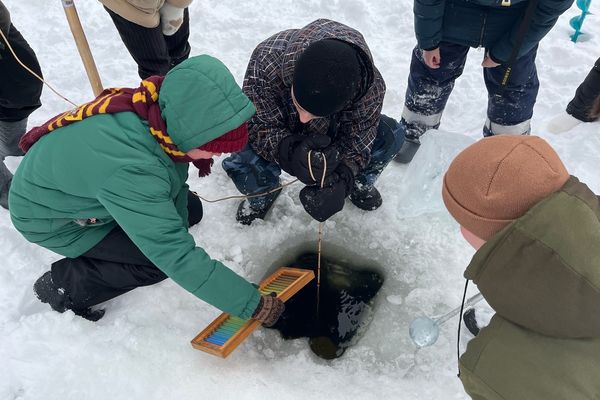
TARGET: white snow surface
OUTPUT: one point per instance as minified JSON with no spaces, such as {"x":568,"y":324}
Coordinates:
{"x":141,"y":348}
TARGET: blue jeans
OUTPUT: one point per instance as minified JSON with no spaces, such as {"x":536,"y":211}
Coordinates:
{"x":252,"y":174}
{"x":509,"y":110}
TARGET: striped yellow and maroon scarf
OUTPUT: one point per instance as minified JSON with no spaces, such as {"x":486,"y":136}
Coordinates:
{"x":142,"y":100}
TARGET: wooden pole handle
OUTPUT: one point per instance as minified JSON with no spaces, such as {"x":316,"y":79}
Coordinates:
{"x":82,"y":46}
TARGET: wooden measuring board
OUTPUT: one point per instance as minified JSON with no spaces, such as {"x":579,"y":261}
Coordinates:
{"x":226,"y":332}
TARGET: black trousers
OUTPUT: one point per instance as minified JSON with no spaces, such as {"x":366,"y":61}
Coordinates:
{"x":585,"y":96}
{"x":112,"y":267}
{"x":19,"y":90}
{"x":154,"y":53}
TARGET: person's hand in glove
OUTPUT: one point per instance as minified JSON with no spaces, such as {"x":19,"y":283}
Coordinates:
{"x":269,"y":310}
{"x":322,"y":203}
{"x":294,"y":157}
{"x":171,"y":19}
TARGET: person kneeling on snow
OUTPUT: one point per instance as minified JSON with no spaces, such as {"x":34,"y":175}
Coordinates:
{"x":537,"y":235}
{"x":318,"y":97}
{"x":105,"y":186}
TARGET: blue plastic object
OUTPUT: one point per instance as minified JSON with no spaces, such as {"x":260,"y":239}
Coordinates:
{"x":577,"y":22}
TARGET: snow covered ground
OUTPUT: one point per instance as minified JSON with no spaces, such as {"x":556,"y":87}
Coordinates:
{"x":141,"y":350}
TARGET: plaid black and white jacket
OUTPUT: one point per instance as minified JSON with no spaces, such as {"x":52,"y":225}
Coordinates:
{"x":268,"y":82}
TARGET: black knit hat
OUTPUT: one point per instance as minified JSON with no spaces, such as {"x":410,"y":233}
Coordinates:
{"x":327,"y":77}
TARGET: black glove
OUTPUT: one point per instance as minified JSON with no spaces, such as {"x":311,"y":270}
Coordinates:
{"x":322,"y":203}
{"x":286,"y":148}
{"x":294,"y":157}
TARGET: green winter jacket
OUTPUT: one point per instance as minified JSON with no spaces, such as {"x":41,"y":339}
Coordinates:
{"x":541,"y":274}
{"x":484,"y":23}
{"x":109,"y":167}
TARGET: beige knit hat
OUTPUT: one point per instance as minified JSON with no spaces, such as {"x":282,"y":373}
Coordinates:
{"x":498,"y":179}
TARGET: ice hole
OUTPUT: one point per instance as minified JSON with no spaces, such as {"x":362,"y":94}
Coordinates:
{"x":411,"y":241}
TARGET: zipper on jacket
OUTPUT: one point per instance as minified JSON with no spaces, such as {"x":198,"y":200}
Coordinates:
{"x":483,"y":29}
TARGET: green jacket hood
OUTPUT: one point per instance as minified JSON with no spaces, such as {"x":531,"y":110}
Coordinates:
{"x":201,"y":101}
{"x":542,"y":272}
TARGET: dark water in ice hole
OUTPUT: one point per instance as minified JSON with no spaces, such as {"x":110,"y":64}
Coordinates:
{"x":345,"y":306}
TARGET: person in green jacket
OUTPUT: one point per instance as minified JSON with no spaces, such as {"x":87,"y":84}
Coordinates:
{"x":105,"y":186}
{"x":536,"y":230}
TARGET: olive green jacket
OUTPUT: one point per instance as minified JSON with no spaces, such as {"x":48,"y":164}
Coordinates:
{"x":541,"y":274}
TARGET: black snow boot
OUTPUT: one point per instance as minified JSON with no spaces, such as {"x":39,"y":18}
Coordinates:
{"x":45,"y":290}
{"x":408,"y":150}
{"x":89,"y":314}
{"x":247,"y":213}
{"x":366,"y":198}
{"x":48,"y":292}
